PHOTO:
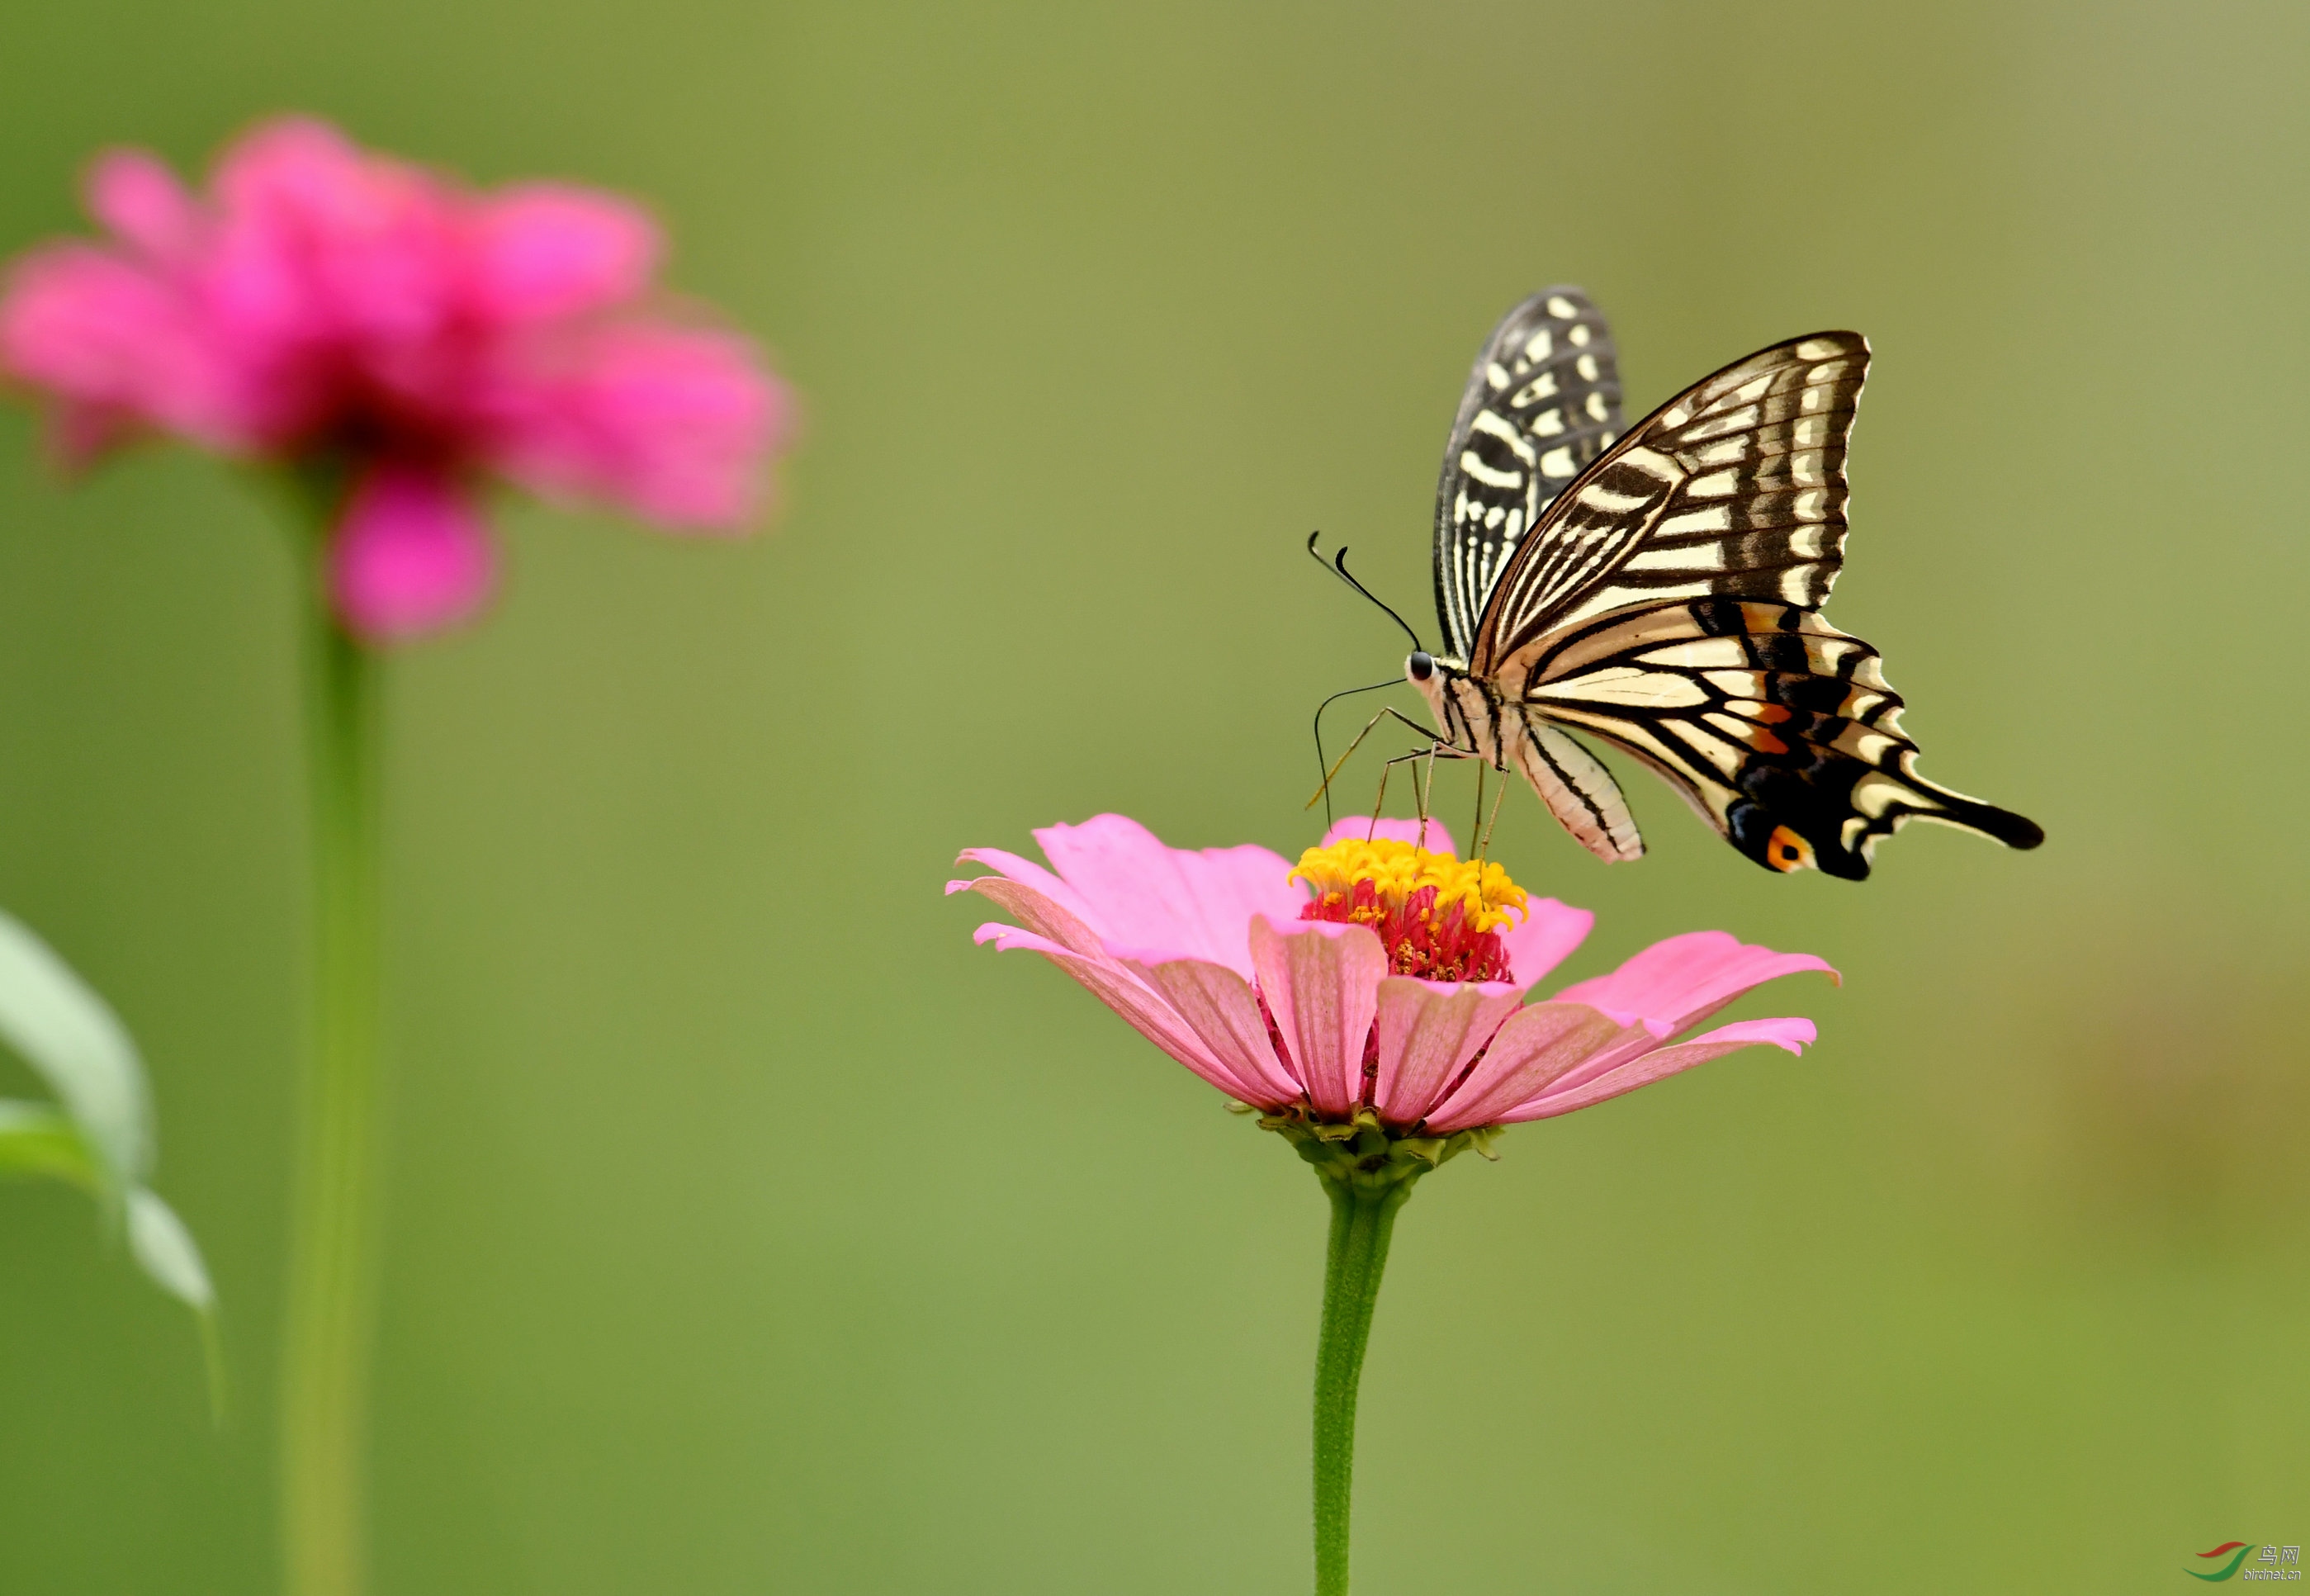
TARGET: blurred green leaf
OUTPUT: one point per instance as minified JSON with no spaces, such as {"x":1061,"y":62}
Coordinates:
{"x":167,"y":1252}
{"x":101,"y":1139}
{"x":71,"y":1036}
{"x":35,"y":1139}
{"x":165,"y":1248}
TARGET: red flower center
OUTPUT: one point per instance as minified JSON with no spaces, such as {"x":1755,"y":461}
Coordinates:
{"x":1437,"y":916}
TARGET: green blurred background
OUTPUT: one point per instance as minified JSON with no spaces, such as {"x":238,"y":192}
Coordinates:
{"x":752,"y":1231}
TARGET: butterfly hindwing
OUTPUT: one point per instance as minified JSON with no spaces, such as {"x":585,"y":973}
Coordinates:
{"x":1577,"y":787}
{"x":1778,"y":728}
{"x":1541,"y":403}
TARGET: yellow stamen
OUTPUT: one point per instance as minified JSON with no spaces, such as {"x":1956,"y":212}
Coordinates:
{"x":1397,"y":870}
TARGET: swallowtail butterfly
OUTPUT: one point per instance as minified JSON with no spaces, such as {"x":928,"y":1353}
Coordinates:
{"x":1659,"y":588}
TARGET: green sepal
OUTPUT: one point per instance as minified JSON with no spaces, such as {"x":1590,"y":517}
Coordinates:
{"x":1364,"y":1155}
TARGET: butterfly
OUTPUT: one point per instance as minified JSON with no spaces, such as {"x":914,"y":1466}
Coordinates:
{"x":1659,"y":588}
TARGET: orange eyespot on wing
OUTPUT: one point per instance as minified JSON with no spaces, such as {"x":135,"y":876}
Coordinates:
{"x":1785,"y":850}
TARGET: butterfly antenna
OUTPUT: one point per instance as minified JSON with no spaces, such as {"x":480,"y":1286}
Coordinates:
{"x":1338,"y":566}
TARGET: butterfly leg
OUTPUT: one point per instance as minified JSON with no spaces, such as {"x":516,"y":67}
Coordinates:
{"x":1423,"y":788}
{"x":1323,"y":793}
{"x":1437,"y":749}
{"x":1484,"y":843}
{"x":1440,"y":750}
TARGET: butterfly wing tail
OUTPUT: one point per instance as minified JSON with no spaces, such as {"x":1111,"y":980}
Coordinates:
{"x":1791,"y":819}
{"x":1985,"y":819}
{"x":1917,"y":799}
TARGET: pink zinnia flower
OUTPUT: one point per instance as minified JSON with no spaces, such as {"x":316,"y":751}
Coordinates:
{"x":1369,"y":1006}
{"x":325,"y":306}
{"x":1314,"y":1004}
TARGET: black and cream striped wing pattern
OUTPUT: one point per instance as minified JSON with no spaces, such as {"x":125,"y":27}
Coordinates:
{"x":1541,"y":403}
{"x":1669,"y":604}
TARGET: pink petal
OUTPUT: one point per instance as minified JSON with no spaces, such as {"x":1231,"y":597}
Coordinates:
{"x":1027,"y":873}
{"x":114,"y":341}
{"x":287,"y":192}
{"x":350,"y":246}
{"x":1220,"y":1007}
{"x":673,"y":423}
{"x":1432,"y":835}
{"x":1544,"y":939}
{"x":1676,"y":983}
{"x":331,"y":286}
{"x":289,"y":166}
{"x":391,"y":282}
{"x":132,"y":193}
{"x":1321,"y":981}
{"x":1146,"y":1013}
{"x":1538,"y":1045}
{"x":542,"y":250}
{"x":76,"y":320}
{"x":1427,"y":1032}
{"x":1159,"y":902}
{"x":1041,"y":911}
{"x":1792,"y":1034}
{"x":411,"y":556}
{"x":259,"y":307}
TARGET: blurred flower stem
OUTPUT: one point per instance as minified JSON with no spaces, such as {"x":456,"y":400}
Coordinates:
{"x":1362,"y":1218}
{"x":323,"y":1394}
{"x":391,"y":342}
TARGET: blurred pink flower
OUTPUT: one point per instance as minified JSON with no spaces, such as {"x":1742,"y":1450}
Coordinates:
{"x":1218,"y":958}
{"x":325,"y":304}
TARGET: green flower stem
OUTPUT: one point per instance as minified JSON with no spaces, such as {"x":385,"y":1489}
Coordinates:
{"x":324,"y":1395}
{"x":1362,"y":1217}
{"x":1367,"y":1172}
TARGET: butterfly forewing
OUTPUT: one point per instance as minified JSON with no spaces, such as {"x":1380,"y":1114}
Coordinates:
{"x":1543,"y":402}
{"x":1735,"y":488}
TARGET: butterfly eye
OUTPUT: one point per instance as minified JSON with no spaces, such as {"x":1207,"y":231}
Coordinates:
{"x":1420,"y":666}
